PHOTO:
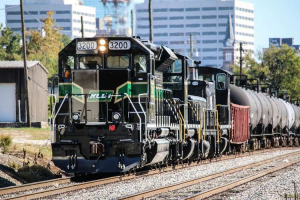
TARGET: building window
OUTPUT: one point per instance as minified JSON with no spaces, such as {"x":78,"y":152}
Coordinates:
{"x":143,"y":19}
{"x":16,"y":29}
{"x":159,"y":26}
{"x":209,"y":33}
{"x":13,"y":21}
{"x":224,"y":16}
{"x":209,"y":41}
{"x":244,"y":18}
{"x":176,"y":9}
{"x":228,"y":57}
{"x":221,"y":41}
{"x":209,"y":49}
{"x":142,"y":26}
{"x":192,"y":17}
{"x":160,"y":18}
{"x":176,"y":18}
{"x":222,"y":33}
{"x":63,"y":20}
{"x":210,"y":58}
{"x":176,"y":26}
{"x":193,"y":33}
{"x":192,"y":25}
{"x":160,"y":10}
{"x":245,"y":26}
{"x":63,"y":12}
{"x":13,"y":13}
{"x":144,"y":35}
{"x":244,"y":10}
{"x":209,"y":17}
{"x":220,"y":57}
{"x":176,"y":34}
{"x":162,"y":42}
{"x":31,"y":12}
{"x":177,"y":42}
{"x":225,"y":8}
{"x":141,"y":10}
{"x":245,"y":34}
{"x":192,"y":9}
{"x":209,"y":8}
{"x":68,"y":28}
{"x":220,"y":49}
{"x":43,"y":12}
{"x":209,"y":25}
{"x":222,"y":25}
{"x":160,"y":34}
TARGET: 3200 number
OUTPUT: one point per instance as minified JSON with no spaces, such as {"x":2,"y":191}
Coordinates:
{"x":119,"y":45}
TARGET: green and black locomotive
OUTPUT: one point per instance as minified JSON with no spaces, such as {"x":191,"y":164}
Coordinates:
{"x":125,"y":104}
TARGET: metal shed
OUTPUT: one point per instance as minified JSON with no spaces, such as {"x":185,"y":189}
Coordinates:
{"x":12,"y":92}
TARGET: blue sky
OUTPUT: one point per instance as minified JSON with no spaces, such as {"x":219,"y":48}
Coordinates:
{"x":273,"y":18}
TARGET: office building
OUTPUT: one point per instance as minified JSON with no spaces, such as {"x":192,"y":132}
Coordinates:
{"x":278,"y":42}
{"x":113,"y":17}
{"x":175,"y":20}
{"x":67,"y":15}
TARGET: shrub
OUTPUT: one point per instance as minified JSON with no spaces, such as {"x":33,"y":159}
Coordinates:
{"x":13,"y":165}
{"x":35,"y":173}
{"x":5,"y":142}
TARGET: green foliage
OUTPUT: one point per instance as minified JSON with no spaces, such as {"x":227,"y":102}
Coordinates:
{"x":13,"y":165}
{"x":279,"y":67}
{"x":10,"y":48}
{"x":5,"y":142}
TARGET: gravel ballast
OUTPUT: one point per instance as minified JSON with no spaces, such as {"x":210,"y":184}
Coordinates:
{"x":129,"y":187}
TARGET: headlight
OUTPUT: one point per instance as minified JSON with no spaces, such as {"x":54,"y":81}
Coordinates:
{"x":116,"y":116}
{"x":102,"y":48}
{"x":76,"y":116}
{"x":102,"y":42}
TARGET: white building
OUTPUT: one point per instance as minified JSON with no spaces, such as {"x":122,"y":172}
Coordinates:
{"x":67,"y":14}
{"x":174,"y":20}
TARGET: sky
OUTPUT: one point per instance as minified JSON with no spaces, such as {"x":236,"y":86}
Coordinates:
{"x":272,"y":18}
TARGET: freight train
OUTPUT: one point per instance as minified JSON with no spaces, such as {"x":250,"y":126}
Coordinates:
{"x":126,"y":104}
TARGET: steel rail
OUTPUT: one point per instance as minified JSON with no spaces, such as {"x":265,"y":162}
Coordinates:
{"x":184,"y":184}
{"x":234,"y":184}
{"x":114,"y":179}
{"x":30,"y":186}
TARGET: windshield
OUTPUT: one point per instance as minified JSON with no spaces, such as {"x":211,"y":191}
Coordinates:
{"x":118,"y":61}
{"x":90,"y":62}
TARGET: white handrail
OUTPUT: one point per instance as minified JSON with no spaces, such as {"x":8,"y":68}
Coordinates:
{"x":52,"y":95}
{"x":144,"y":94}
{"x":137,"y":115}
{"x":58,"y":112}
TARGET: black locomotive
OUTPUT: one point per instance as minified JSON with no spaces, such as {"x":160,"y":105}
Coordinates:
{"x":125,"y":104}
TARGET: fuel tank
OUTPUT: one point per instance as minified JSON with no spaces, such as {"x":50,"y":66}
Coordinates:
{"x":276,"y":111}
{"x":297,"y":116}
{"x":290,"y":114}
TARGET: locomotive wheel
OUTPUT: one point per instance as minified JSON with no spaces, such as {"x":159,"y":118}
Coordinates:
{"x":291,"y":142}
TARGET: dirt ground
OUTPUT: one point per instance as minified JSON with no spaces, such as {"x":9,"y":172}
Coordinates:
{"x":28,"y":158}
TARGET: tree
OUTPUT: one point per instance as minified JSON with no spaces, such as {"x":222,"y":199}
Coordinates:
{"x":46,"y":48}
{"x":279,"y":67}
{"x":10,"y":48}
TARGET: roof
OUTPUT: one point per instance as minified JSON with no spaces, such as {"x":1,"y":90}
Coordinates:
{"x":20,"y":65}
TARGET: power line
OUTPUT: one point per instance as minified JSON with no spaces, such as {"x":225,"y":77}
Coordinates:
{"x":9,"y":7}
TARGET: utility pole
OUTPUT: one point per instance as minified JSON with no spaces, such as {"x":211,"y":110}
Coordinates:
{"x":82,"y":27}
{"x":191,"y":46}
{"x":132,"y":22}
{"x":241,"y":58}
{"x":150,"y":21}
{"x":25,"y":68}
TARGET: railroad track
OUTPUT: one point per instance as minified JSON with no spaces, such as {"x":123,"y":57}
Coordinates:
{"x":51,"y":187}
{"x":181,"y":190}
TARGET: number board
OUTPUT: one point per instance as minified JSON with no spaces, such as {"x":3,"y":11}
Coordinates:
{"x":86,"y":45}
{"x":119,"y":45}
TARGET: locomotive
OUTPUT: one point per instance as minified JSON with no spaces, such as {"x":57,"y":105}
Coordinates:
{"x":126,"y":104}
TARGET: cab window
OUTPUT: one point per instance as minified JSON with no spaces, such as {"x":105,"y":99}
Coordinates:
{"x":176,"y":67}
{"x":140,"y":63}
{"x":90,"y":62}
{"x":206,"y":77}
{"x":118,"y":61}
{"x":221,"y":81}
{"x":68,"y":65}
{"x":173,"y":82}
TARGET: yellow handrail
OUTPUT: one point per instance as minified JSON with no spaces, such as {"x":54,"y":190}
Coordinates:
{"x":204,"y":125}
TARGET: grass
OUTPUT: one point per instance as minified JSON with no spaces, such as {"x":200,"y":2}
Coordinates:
{"x":35,"y":173}
{"x":31,"y":133}
{"x":33,"y":149}
{"x":5,"y":142}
